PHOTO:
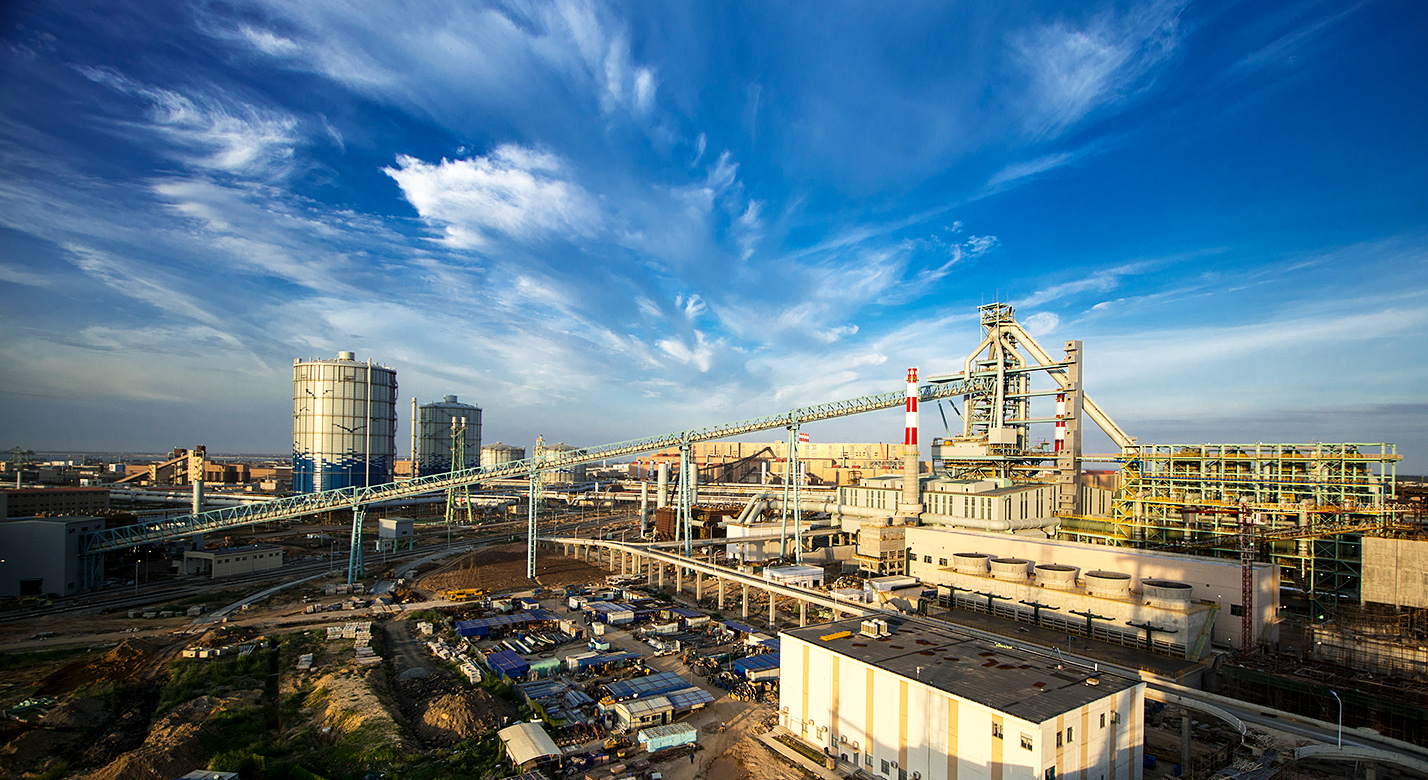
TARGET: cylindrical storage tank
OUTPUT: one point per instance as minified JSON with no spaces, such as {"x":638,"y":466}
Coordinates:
{"x":434,"y":436}
{"x":1107,"y":584}
{"x":1166,"y":594}
{"x":498,"y":453}
{"x":1055,"y":575}
{"x":1013,"y":569}
{"x":970,"y":562}
{"x":563,"y":474}
{"x":344,"y":423}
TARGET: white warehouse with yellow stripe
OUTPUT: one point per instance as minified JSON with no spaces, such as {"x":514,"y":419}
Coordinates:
{"x":915,"y":700}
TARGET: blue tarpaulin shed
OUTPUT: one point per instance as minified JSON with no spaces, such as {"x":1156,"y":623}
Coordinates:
{"x":507,"y":664}
{"x":481,"y":627}
{"x":758,"y":667}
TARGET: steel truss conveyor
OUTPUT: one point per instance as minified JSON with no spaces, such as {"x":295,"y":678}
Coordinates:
{"x":358,"y":497}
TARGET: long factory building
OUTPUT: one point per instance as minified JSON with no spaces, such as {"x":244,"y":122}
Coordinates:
{"x":910,"y":699}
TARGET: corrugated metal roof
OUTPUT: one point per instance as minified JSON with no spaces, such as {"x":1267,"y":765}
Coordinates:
{"x":528,"y":742}
{"x":672,"y":729}
{"x":650,"y":685}
{"x":636,"y":708}
{"x":687,"y":698}
{"x":757,"y":663}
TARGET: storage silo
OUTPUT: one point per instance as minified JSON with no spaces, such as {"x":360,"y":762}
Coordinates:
{"x":344,"y":423}
{"x":571,"y":474}
{"x":433,"y":434}
{"x":498,"y":453}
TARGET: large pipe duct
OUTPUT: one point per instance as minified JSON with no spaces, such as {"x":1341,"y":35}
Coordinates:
{"x":662,"y":486}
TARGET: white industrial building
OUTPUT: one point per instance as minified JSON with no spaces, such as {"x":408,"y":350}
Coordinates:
{"x":912,"y":699}
{"x":795,"y":576}
{"x":233,"y":560}
{"x":41,"y":555}
{"x":1119,"y":584}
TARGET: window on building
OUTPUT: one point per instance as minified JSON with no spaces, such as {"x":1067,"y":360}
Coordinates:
{"x":927,"y":559}
{"x":1103,"y":720}
{"x":1058,"y":739}
{"x":886,"y":768}
{"x":996,"y":730}
{"x":869,"y":757}
{"x":1051,"y":773}
{"x":941,"y":561}
{"x":1070,"y":734}
{"x":1237,"y":610}
{"x":1026,"y":742}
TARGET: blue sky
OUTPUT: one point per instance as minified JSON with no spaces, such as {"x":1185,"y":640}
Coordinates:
{"x":606,"y":221}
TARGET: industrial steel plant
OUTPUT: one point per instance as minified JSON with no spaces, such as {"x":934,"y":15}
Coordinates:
{"x":1013,"y":605}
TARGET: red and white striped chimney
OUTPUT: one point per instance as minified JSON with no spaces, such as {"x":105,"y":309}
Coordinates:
{"x":1060,"y":422}
{"x":909,"y":434}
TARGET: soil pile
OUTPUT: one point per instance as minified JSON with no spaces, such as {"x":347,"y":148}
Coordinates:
{"x":124,"y":662}
{"x":35,"y":750}
{"x":503,"y":568}
{"x":460,"y":716}
{"x":78,"y":712}
{"x":442,"y":711}
{"x":171,"y":748}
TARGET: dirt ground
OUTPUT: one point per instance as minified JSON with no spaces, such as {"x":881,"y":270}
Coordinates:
{"x":124,"y":662}
{"x":502,"y":569}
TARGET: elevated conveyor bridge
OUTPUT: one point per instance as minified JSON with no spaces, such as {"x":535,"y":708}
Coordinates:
{"x":359,"y":497}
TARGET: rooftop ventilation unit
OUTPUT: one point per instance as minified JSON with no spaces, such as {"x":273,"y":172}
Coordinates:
{"x":876,"y":627}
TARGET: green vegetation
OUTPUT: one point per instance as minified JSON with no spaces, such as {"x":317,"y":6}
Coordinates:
{"x":193,"y":677}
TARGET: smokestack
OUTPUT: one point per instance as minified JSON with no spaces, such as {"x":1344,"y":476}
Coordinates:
{"x":662,"y":489}
{"x":1060,"y":422}
{"x":911,"y":505}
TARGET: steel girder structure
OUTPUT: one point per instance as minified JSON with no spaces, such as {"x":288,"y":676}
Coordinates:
{"x":1316,"y":501}
{"x":346,"y":498}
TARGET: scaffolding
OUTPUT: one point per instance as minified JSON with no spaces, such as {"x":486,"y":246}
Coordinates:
{"x":1315,"y":502}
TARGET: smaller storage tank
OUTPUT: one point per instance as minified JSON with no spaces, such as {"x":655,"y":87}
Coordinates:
{"x":970,"y":562}
{"x":497,"y":453}
{"x":1012,"y":569}
{"x":1055,"y":575}
{"x":1166,"y":594}
{"x":1107,"y":584}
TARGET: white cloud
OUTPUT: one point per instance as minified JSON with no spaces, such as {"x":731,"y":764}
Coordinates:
{"x":213,"y":131}
{"x":1100,"y":281}
{"x":700,"y":354}
{"x":644,"y":90}
{"x":1027,"y":169}
{"x":1075,"y":68}
{"x":515,"y":191}
{"x":13,"y":275}
{"x":1040,"y":323}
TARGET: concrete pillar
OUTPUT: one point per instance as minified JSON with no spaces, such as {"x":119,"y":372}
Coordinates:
{"x":772,"y":624}
{"x":802,"y":613}
{"x":660,"y":566}
{"x":662,"y":491}
{"x":678,"y":580}
{"x":698,"y":585}
{"x":721,"y":594}
{"x":1185,"y":744}
{"x":746,"y":602}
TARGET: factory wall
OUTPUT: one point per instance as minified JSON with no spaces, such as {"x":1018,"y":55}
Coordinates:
{"x":29,"y":502}
{"x":894,"y":726}
{"x":41,"y":556}
{"x":1212,"y":579}
{"x":233,"y":561}
{"x":1395,"y":572}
